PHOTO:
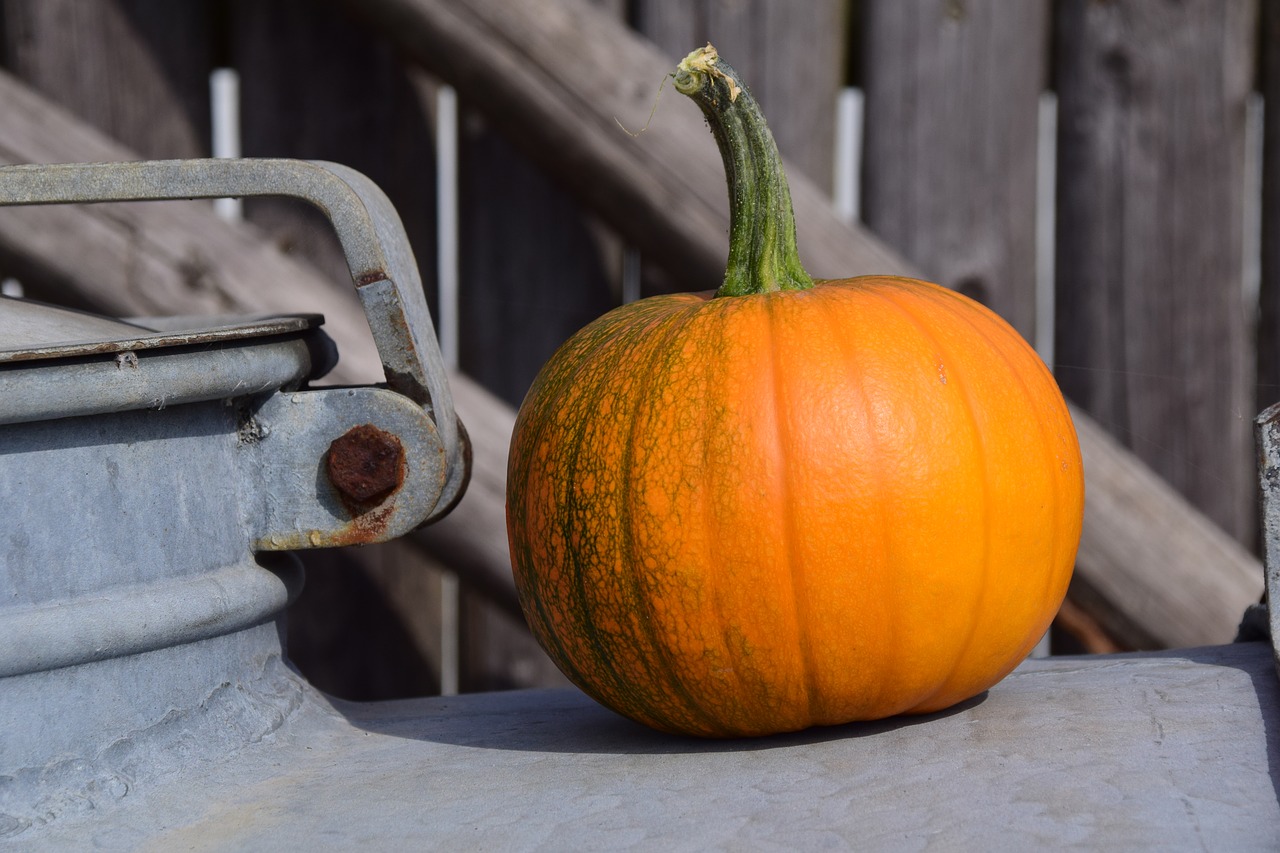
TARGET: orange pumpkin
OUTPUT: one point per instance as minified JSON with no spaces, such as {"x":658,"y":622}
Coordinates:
{"x":798,"y":505}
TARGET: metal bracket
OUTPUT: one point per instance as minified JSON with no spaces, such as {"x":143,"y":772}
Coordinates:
{"x":1267,"y":436}
{"x":348,"y":466}
{"x":373,"y":239}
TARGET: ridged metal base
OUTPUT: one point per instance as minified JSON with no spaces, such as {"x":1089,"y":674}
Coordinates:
{"x":76,"y":740}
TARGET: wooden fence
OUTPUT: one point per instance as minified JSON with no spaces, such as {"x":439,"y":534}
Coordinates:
{"x":1160,"y":337}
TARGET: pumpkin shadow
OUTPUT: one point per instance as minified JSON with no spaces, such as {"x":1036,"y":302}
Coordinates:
{"x":567,"y":721}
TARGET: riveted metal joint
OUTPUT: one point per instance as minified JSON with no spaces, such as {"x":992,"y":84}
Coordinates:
{"x":365,"y":465}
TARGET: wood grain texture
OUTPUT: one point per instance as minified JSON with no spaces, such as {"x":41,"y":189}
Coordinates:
{"x":1268,"y":341}
{"x":316,"y":86}
{"x":1153,"y":571}
{"x":532,"y":270}
{"x":949,"y":167}
{"x":792,"y":59}
{"x":556,"y":77}
{"x":137,"y":70}
{"x":1151,"y":337}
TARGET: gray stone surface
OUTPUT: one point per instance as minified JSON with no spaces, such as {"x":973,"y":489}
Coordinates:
{"x":1171,"y":750}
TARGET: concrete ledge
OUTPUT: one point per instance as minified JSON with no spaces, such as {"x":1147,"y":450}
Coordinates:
{"x":1167,"y":750}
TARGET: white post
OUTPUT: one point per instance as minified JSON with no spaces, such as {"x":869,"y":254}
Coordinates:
{"x":847,"y":180}
{"x":224,"y":98}
{"x":1046,"y":201}
{"x":447,"y":329}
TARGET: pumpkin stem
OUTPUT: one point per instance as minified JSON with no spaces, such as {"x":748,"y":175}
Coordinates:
{"x":762,"y":226}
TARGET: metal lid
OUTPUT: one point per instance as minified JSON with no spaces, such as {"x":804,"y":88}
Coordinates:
{"x":57,"y":362}
{"x":31,"y":330}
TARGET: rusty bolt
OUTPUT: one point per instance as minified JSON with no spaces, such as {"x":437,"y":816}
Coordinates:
{"x":365,"y":464}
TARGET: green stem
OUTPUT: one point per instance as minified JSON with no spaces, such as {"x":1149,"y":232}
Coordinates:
{"x":762,"y":226}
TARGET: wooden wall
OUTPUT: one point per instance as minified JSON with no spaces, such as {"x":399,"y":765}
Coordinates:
{"x":1155,"y":336}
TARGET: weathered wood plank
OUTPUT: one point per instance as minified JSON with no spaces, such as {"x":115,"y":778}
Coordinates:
{"x":557,"y":95}
{"x":346,"y":634}
{"x":532,"y":271}
{"x":138,"y":70}
{"x":1151,"y":336}
{"x":316,"y":86}
{"x":498,"y":650}
{"x":533,"y":267}
{"x":794,"y":63}
{"x":949,"y":168}
{"x":1152,"y":570}
{"x":1268,"y":341}
{"x":557,"y":77}
{"x":399,"y":619}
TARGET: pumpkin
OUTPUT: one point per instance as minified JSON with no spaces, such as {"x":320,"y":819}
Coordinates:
{"x":788,"y":503}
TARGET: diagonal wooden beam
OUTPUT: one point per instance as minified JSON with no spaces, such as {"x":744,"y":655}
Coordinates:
{"x":561,"y":80}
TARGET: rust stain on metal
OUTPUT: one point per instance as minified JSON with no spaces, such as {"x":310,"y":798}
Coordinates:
{"x":365,"y":466}
{"x":411,"y":382}
{"x":368,"y":527}
{"x":370,"y":278}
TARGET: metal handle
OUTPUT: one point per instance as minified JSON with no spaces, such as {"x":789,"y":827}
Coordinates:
{"x":373,"y":239}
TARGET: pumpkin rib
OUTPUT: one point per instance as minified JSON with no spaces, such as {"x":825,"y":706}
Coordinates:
{"x":725,"y":311}
{"x":787,"y":526}
{"x":530,"y":428}
{"x":658,"y":351}
{"x":851,"y":357}
{"x":949,"y":300}
{"x":569,"y":512}
{"x":1002,"y":346}
{"x":603,"y":340}
{"x":962,"y":648}
{"x":558,"y":386}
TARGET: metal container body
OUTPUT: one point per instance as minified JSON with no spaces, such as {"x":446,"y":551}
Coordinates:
{"x":149,"y":497}
{"x":129,"y":590}
{"x":132,"y":498}
{"x":153,"y":477}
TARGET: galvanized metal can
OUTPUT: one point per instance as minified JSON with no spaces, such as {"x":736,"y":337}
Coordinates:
{"x":154,"y":475}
